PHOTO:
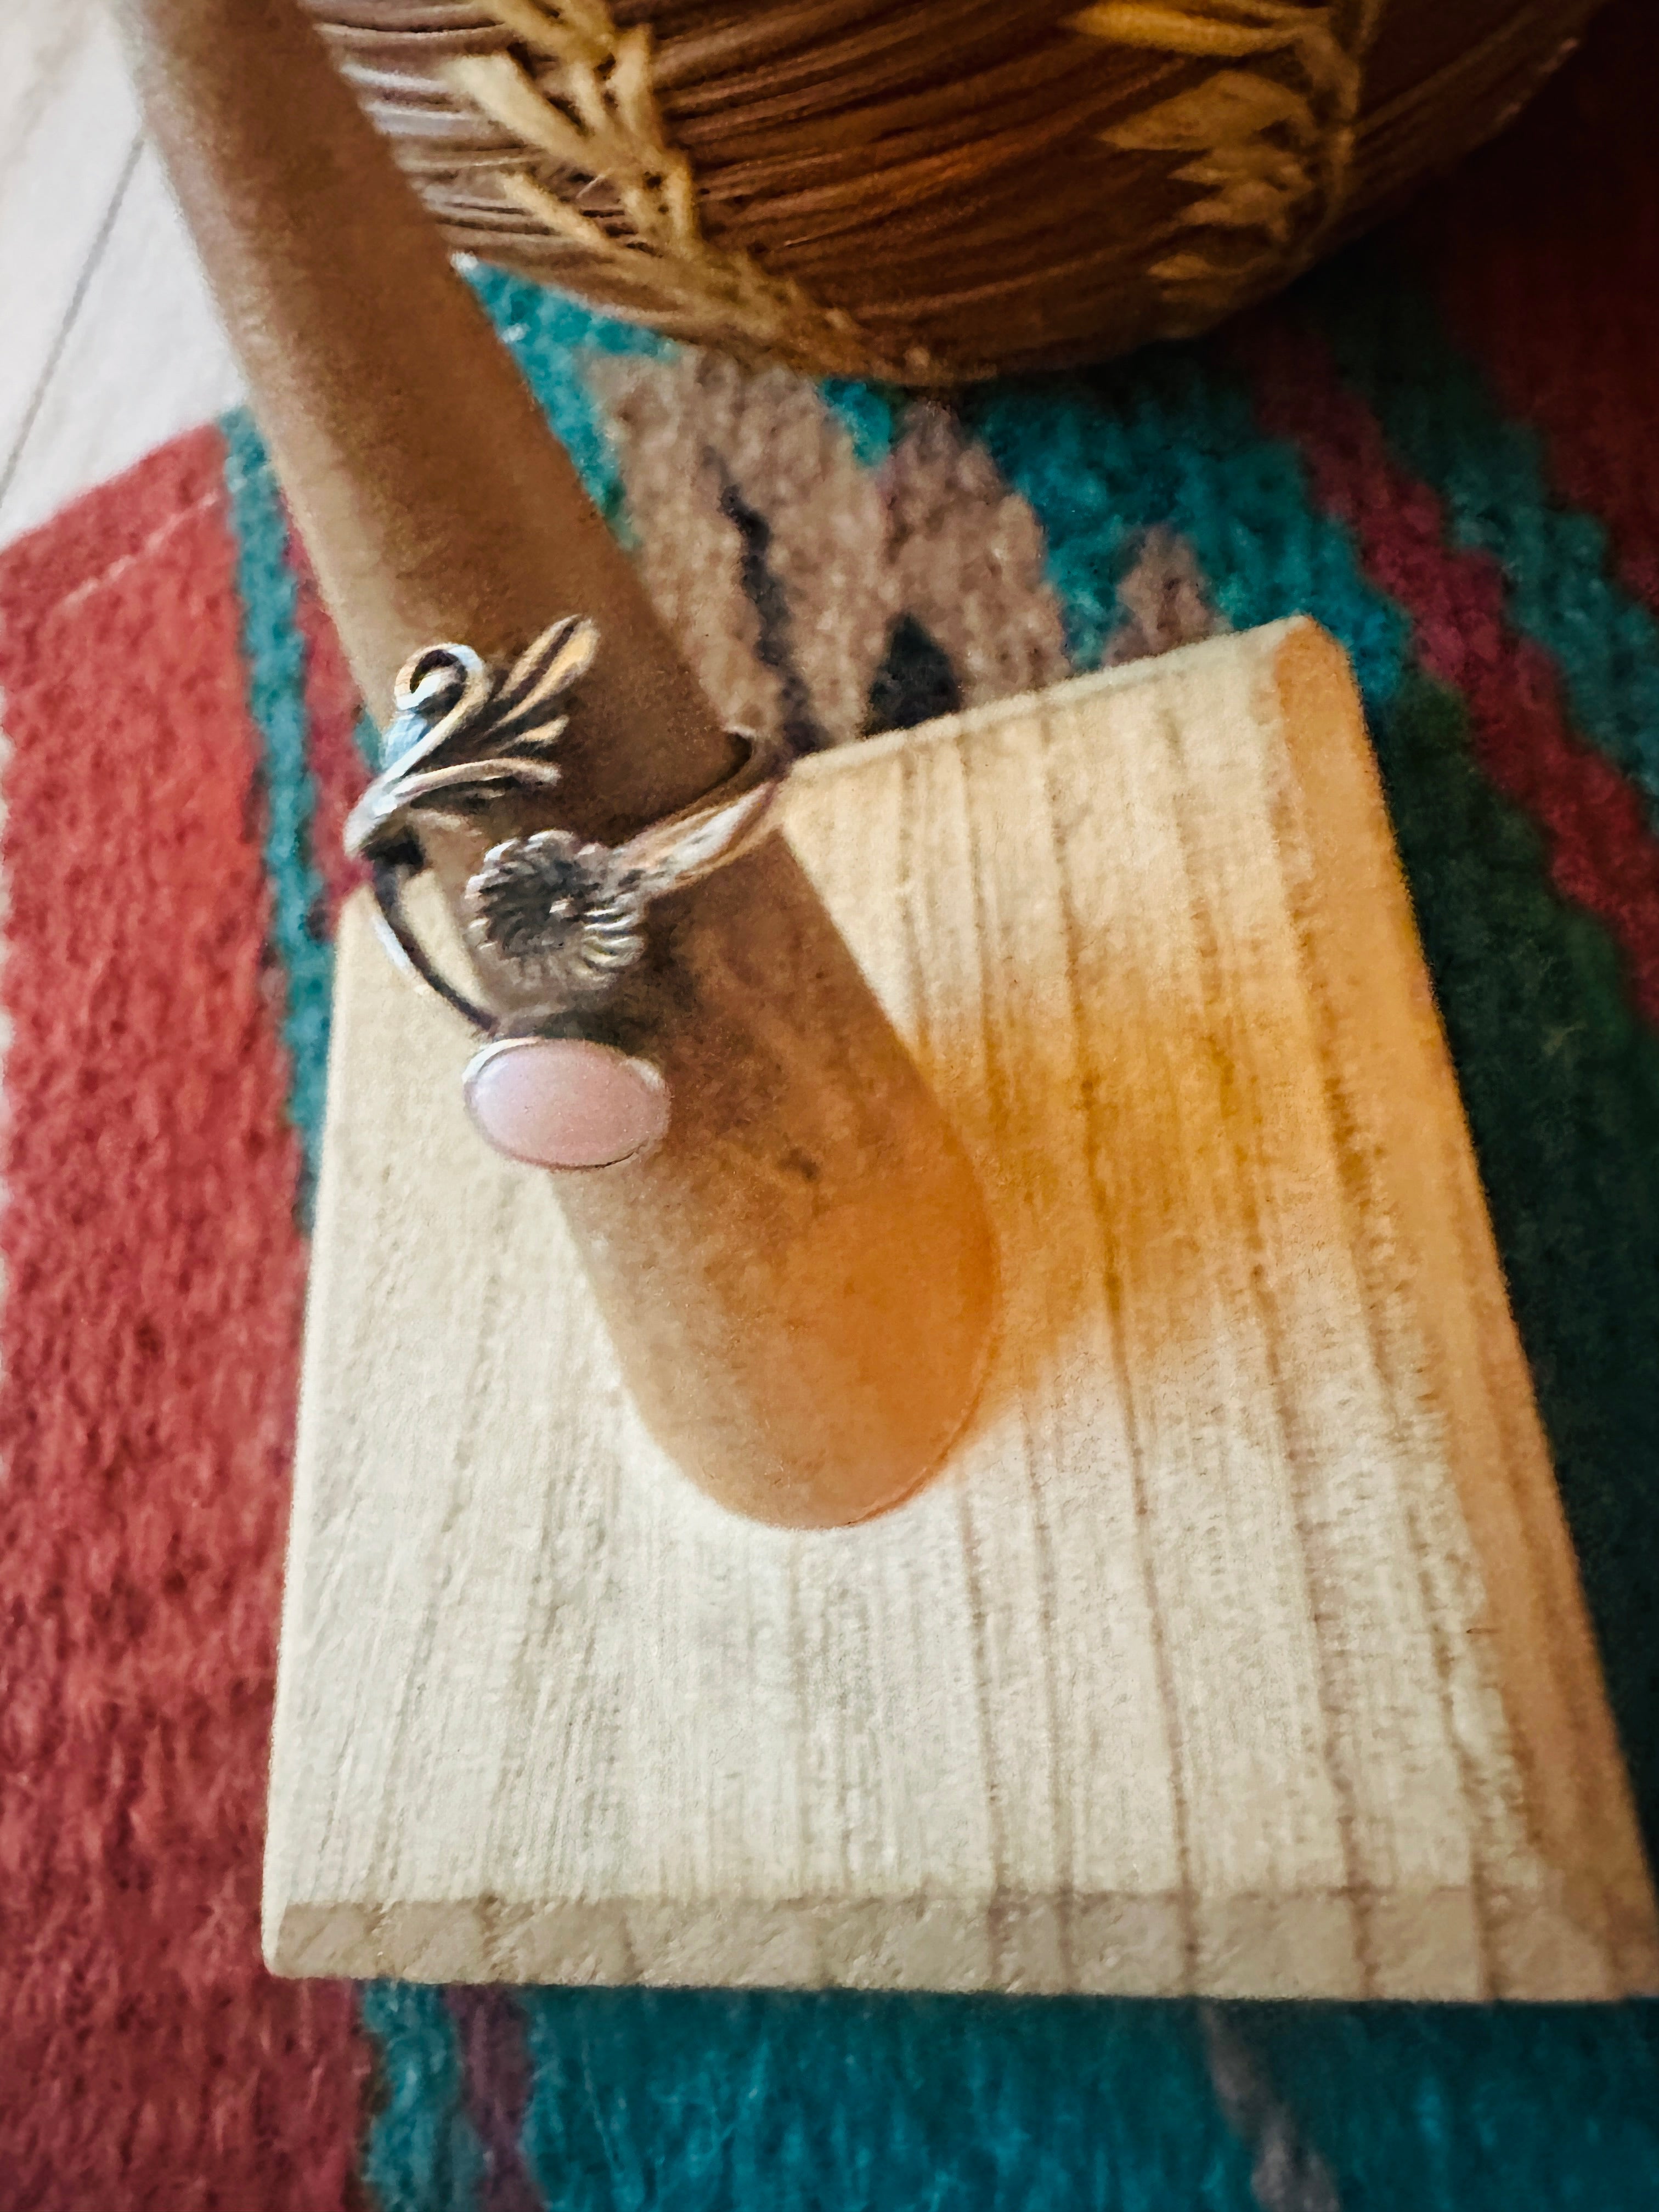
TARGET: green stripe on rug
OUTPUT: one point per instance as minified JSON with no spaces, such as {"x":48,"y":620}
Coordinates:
{"x":1560,"y":1081}
{"x":1438,"y":412}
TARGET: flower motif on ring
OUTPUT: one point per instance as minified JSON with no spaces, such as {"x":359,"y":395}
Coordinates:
{"x":567,"y":915}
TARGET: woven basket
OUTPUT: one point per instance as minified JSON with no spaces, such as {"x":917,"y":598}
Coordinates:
{"x":929,"y":192}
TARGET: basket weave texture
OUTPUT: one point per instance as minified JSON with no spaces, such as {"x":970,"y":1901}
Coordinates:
{"x":930,"y":192}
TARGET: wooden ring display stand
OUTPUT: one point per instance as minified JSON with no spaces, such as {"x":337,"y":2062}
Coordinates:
{"x":1236,"y":1647}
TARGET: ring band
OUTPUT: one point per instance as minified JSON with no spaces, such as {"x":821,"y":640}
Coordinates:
{"x":564,"y":915}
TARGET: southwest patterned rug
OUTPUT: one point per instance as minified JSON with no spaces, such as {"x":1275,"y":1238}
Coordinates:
{"x":1442,"y":448}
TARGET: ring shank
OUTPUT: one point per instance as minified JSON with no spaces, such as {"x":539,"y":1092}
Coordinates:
{"x":668,"y":855}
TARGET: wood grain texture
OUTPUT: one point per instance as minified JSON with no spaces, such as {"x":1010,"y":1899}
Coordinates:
{"x":1240,"y":1648}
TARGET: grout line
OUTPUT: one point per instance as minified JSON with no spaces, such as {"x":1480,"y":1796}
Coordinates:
{"x":71,"y":314}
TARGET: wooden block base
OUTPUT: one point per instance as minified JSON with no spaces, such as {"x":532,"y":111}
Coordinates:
{"x":1239,"y":1649}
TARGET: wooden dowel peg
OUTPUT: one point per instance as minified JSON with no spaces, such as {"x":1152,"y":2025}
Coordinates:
{"x":800,"y":1282}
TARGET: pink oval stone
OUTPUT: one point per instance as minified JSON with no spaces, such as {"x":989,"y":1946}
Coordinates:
{"x":563,"y":1103}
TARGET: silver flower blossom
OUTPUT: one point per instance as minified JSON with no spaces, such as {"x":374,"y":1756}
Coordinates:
{"x":567,"y":915}
{"x":565,"y":918}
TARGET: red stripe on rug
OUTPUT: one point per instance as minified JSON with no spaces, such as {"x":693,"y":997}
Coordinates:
{"x":153,"y":1280}
{"x":1592,"y":816}
{"x":334,"y":707}
{"x":498,"y":2081}
{"x":1546,"y":263}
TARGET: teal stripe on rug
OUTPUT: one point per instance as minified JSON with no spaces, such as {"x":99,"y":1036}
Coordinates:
{"x":872,"y":415}
{"x":727,"y":2102}
{"x":1495,"y":2110}
{"x":274,"y":652}
{"x":423,"y":2153}
{"x":549,"y":333}
{"x":1442,"y":418}
{"x":1165,"y":439}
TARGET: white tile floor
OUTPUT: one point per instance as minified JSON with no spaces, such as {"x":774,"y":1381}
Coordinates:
{"x":109,"y":345}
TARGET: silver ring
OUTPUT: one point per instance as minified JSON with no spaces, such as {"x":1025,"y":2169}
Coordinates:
{"x":566,"y":916}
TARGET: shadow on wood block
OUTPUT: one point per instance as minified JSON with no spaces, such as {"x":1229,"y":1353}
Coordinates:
{"x":1240,"y":1647}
